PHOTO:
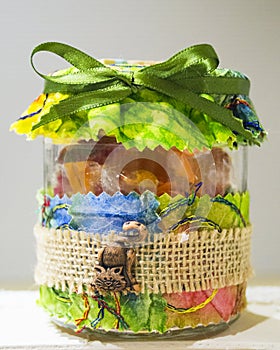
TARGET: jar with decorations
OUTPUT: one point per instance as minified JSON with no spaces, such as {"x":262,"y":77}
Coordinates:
{"x":144,"y":226}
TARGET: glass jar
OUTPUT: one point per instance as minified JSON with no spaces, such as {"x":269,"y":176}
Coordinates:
{"x":150,"y":243}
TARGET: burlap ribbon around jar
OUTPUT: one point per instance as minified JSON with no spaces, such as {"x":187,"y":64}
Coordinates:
{"x":203,"y":260}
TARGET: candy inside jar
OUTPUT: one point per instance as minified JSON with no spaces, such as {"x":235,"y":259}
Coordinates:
{"x":107,"y":166}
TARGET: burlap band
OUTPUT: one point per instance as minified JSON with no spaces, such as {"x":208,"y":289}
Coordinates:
{"x":208,"y":259}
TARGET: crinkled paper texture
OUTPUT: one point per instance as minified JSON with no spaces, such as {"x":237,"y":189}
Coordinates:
{"x":104,"y":213}
{"x":141,"y":312}
{"x":145,"y":119}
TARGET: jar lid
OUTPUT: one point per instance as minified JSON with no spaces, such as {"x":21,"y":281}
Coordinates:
{"x":185,"y":102}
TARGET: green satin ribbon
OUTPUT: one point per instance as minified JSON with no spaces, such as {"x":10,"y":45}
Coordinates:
{"x":184,"y":77}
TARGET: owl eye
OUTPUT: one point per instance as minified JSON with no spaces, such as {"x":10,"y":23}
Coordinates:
{"x":117,"y":270}
{"x":99,"y":269}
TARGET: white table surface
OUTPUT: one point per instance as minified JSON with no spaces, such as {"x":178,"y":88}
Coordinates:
{"x":23,"y":325}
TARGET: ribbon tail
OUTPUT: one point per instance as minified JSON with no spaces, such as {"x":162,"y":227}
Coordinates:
{"x":216,"y":112}
{"x":84,"y":101}
{"x":215,"y":85}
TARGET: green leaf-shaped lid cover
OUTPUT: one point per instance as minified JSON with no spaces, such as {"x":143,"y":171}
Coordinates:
{"x":185,"y":102}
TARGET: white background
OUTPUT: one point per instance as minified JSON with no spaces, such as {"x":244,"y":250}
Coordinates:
{"x":245,"y":35}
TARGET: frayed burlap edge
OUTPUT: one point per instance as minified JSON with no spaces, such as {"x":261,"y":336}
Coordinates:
{"x":208,"y":259}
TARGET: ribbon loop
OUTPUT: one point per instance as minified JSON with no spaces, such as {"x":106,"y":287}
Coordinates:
{"x":77,"y":58}
{"x":194,"y":61}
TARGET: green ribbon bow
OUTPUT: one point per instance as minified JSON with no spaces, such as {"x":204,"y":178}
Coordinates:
{"x":184,"y":77}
